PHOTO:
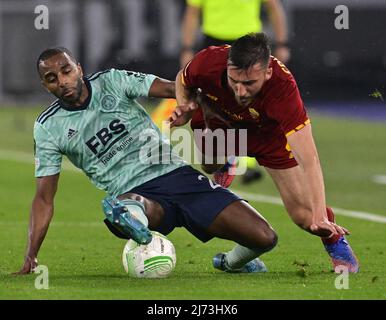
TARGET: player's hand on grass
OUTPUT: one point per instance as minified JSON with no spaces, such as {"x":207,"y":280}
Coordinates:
{"x":29,"y":265}
{"x":325,"y":228}
{"x":182,"y":114}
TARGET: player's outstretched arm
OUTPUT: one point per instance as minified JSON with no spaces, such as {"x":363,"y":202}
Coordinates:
{"x":186,"y":103}
{"x":42,"y":210}
{"x":305,"y":152}
{"x":181,"y":115}
{"x":162,"y":88}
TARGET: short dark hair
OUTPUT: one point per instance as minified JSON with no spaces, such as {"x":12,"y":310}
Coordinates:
{"x":50,"y":52}
{"x":250,"y":49}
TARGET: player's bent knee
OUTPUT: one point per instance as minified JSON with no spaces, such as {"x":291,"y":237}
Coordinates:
{"x":268,"y":242}
{"x":264,"y":240}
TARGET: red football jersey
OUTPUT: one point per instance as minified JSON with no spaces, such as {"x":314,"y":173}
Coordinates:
{"x":278,"y":106}
{"x":277,"y":111}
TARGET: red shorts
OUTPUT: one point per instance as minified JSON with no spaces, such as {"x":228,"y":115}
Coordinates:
{"x":267,"y":145}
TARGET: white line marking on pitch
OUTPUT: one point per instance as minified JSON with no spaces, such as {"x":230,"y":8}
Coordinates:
{"x":66,"y":224}
{"x":381,"y":179}
{"x":27,"y":158}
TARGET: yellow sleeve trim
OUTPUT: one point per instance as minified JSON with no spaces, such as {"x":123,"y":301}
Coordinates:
{"x":289,"y":133}
{"x":183,"y":74}
{"x":299,"y":127}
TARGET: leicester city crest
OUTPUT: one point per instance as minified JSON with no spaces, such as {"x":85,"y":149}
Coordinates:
{"x":108,"y":102}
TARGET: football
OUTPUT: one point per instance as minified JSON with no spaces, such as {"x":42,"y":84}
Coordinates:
{"x":154,"y":260}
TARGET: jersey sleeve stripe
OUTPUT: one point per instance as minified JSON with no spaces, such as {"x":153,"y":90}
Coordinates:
{"x":94,"y":76}
{"x":183,"y":80}
{"x":299,"y":127}
{"x":53,"y":111}
{"x":91,"y":75}
{"x":184,"y":74}
{"x":48,"y":110}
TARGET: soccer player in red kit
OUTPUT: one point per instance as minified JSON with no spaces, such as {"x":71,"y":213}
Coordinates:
{"x":243,"y":86}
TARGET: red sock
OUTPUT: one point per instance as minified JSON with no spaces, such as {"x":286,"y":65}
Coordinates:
{"x":331,"y":218}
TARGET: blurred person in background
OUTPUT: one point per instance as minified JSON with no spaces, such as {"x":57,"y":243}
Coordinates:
{"x":224,"y":21}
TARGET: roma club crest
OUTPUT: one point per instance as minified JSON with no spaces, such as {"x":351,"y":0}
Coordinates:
{"x":254,"y":114}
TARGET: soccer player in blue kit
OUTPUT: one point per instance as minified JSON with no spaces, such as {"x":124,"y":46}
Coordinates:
{"x":97,"y":123}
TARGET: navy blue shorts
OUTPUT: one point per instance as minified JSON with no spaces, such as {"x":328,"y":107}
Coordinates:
{"x":189,"y":199}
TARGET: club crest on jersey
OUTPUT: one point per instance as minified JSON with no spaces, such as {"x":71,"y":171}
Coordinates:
{"x":211,"y":97}
{"x":254,"y":114}
{"x":108,"y":102}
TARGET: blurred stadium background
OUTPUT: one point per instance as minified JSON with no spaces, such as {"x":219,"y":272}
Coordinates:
{"x":341,"y":75}
{"x":329,"y":64}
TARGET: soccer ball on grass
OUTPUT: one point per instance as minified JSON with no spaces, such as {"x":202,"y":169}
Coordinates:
{"x":154,"y":260}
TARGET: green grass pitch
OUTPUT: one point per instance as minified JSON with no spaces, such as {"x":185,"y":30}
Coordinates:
{"x":84,"y":258}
